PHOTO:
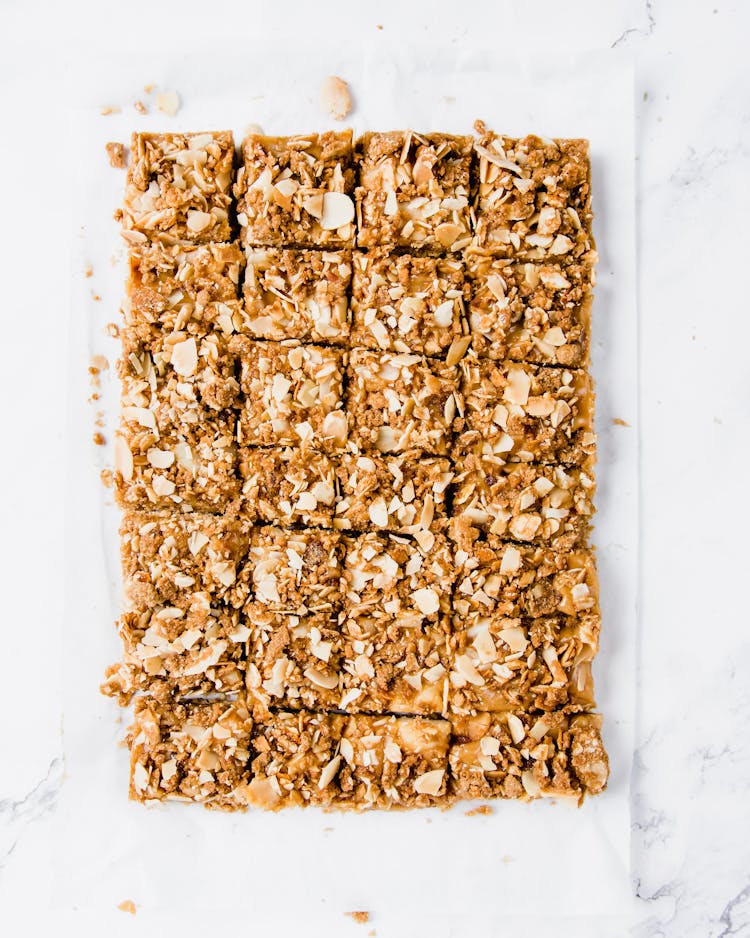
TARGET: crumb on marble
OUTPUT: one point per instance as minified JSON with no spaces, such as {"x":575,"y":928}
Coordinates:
{"x":127,"y":905}
{"x":361,"y":918}
{"x":116,"y":154}
{"x":483,"y":809}
{"x":619,"y":422}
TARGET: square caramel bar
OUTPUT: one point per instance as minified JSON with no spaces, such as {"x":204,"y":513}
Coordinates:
{"x":404,"y":303}
{"x":293,"y":294}
{"x":192,"y":751}
{"x":526,"y":413}
{"x":401,"y":402}
{"x":528,"y":502}
{"x":393,"y":762}
{"x":286,"y":486}
{"x":500,"y":578}
{"x":530,"y":312}
{"x":403,"y":493}
{"x":180,"y":559}
{"x":520,"y":664}
{"x":183,"y":288}
{"x":293,"y":661}
{"x":533,"y":197}
{"x":296,"y":190}
{"x":176,"y":382}
{"x":179,"y":187}
{"x":295,"y":759}
{"x":414,"y":190}
{"x":527,"y":756}
{"x":292,"y":394}
{"x":298,"y":572}
{"x":178,"y":652}
{"x":192,"y":468}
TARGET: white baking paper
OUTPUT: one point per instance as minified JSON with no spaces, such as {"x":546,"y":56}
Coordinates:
{"x":297,"y":872}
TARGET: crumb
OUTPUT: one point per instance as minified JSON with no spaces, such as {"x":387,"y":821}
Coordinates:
{"x":95,"y":296}
{"x":112,"y":330}
{"x":645,"y":95}
{"x":378,"y":26}
{"x":361,"y":917}
{"x":140,"y":107}
{"x":99,"y":439}
{"x":99,"y":420}
{"x":94,"y":397}
{"x":106,"y":476}
{"x":88,"y":271}
{"x":109,"y":109}
{"x":449,"y":99}
{"x":127,"y":906}
{"x":168,"y":103}
{"x":371,"y":932}
{"x":483,"y":809}
{"x":98,"y":363}
{"x":148,"y":88}
{"x":117,"y":214}
{"x":335,"y":98}
{"x":116,"y":154}
{"x":327,"y":830}
{"x":619,"y":422}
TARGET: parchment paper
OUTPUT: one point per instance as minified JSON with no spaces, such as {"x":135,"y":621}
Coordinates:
{"x":297,"y":871}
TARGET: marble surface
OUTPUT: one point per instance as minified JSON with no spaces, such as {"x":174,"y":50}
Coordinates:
{"x":691,"y":780}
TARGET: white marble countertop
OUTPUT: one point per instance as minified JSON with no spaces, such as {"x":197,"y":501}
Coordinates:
{"x":691,"y":781}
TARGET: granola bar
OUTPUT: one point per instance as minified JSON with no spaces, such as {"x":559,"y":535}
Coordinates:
{"x":400,"y":402}
{"x":526,"y":413}
{"x":292,"y":394}
{"x":284,"y":486}
{"x":176,"y":383}
{"x":404,"y":303}
{"x":176,"y":651}
{"x":183,"y":288}
{"x":293,"y":294}
{"x":414,"y":190}
{"x":179,"y":187}
{"x":402,"y":493}
{"x":533,"y":197}
{"x":360,"y":762}
{"x":191,"y":751}
{"x":298,"y":572}
{"x":393,"y":762}
{"x":501,"y":663}
{"x":293,"y":661}
{"x":527,"y":756}
{"x":500,"y":578}
{"x":296,"y":190}
{"x":530,"y":312}
{"x":175,"y":559}
{"x":525,"y":501}
{"x":191,"y":469}
{"x":295,"y":760}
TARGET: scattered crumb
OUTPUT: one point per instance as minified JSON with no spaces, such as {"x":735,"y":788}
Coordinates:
{"x":109,"y":109}
{"x":334,"y":97}
{"x":98,"y":363}
{"x":88,"y":271}
{"x":127,"y":906}
{"x":99,"y":438}
{"x":140,"y":107}
{"x":148,"y":88}
{"x":112,"y":330}
{"x":378,"y":26}
{"x":449,"y":99}
{"x":94,"y":397}
{"x":482,"y":809}
{"x":95,"y":296}
{"x":619,"y":422}
{"x":645,"y":95}
{"x":327,"y":830}
{"x":117,"y":214}
{"x":168,"y":103}
{"x":99,"y":420}
{"x":361,"y":917}
{"x":106,"y":476}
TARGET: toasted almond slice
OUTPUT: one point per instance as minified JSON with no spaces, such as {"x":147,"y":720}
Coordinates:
{"x":338,"y":210}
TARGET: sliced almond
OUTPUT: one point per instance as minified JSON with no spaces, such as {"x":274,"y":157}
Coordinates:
{"x":338,"y":211}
